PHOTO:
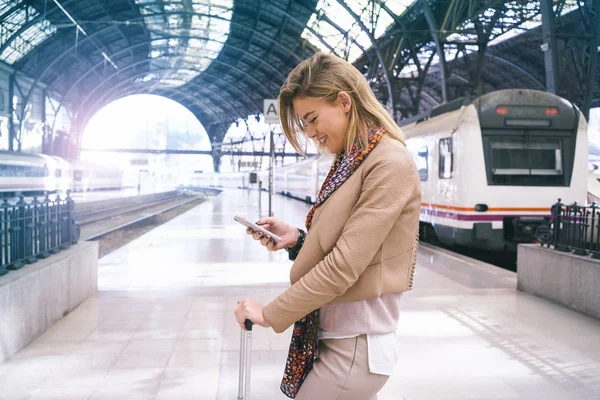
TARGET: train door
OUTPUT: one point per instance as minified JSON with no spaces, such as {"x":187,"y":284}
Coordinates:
{"x":144,"y":181}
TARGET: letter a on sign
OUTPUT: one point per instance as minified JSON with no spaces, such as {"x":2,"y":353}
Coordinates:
{"x":271,"y":112}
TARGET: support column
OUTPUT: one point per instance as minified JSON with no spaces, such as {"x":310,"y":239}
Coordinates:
{"x":593,"y":60}
{"x":46,"y":139}
{"x":216,"y":155}
{"x":216,"y":133}
{"x":375,"y":44}
{"x":550,"y":46}
{"x":11,"y":111}
{"x":433,"y":27}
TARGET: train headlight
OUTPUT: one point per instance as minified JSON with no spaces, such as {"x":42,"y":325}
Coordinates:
{"x":481,"y":207}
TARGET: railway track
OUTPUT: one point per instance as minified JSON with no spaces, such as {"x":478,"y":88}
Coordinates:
{"x":90,"y":212}
{"x":117,"y":223}
{"x":185,"y":201}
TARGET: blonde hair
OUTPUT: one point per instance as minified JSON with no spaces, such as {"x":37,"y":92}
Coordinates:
{"x":324,"y":76}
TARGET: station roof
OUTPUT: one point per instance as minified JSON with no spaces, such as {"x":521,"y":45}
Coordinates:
{"x":221,"y":58}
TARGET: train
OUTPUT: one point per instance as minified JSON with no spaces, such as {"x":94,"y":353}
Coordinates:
{"x":31,"y":174}
{"x":300,"y":180}
{"x":490,"y":168}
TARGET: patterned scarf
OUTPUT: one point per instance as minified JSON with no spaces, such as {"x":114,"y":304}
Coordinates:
{"x":303,"y":349}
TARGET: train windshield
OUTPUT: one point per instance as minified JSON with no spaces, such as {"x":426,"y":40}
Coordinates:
{"x":529,"y":138}
{"x":526,"y":160}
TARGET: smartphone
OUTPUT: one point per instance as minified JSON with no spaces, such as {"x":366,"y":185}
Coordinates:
{"x":257,"y":228}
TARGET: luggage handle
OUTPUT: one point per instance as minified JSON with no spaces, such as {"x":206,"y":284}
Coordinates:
{"x":248,"y":324}
{"x":245,"y":359}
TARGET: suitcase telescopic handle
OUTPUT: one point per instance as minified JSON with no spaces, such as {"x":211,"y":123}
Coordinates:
{"x":248,"y":324}
{"x":245,"y":357}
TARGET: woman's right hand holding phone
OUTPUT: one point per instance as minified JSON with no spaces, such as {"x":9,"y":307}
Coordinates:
{"x":287,"y":233}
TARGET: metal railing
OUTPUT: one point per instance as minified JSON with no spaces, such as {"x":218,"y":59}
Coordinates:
{"x":573,"y":228}
{"x":34,"y":230}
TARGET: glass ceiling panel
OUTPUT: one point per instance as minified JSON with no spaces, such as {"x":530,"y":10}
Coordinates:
{"x":371,"y":14}
{"x":21,"y":44}
{"x":196,"y":31}
{"x":5,"y":5}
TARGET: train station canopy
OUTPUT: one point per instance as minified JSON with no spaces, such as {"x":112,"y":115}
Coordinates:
{"x":222,"y":58}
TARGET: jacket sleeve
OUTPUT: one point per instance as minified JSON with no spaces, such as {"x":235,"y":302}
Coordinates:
{"x":386,"y":189}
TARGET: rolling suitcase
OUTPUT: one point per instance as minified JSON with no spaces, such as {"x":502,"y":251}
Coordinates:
{"x":245,"y":361}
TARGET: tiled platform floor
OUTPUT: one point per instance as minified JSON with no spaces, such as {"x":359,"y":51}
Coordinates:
{"x":162,"y":325}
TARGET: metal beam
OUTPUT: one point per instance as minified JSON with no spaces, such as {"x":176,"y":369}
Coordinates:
{"x":114,"y":94}
{"x":375,"y":44}
{"x":310,"y":29}
{"x":93,"y":69}
{"x":440,"y":48}
{"x":140,"y":20}
{"x":81,"y":124}
{"x":42,"y":17}
{"x":285,"y":13}
{"x":130,"y":89}
{"x":267,"y":91}
{"x":11,"y":109}
{"x":39,"y":18}
{"x":123,"y":35}
{"x":590,"y":74}
{"x":390,"y":12}
{"x":550,"y":46}
{"x":345,"y":33}
{"x":136,"y":9}
{"x":101,"y":98}
{"x":521,"y":70}
{"x":127,"y":88}
{"x":232,"y":23}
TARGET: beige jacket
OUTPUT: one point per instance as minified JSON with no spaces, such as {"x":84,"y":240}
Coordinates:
{"x":363,"y":239}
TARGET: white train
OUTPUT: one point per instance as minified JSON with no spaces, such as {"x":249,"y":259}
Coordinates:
{"x":231,"y":180}
{"x":303,"y":179}
{"x":36,"y":173}
{"x":490,"y":169}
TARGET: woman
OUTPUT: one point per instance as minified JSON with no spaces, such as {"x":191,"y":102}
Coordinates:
{"x":360,"y":251}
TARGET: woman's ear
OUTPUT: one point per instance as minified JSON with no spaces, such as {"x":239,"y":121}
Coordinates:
{"x":345,"y":101}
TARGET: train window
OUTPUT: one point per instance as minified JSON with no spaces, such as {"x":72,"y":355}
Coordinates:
{"x":422,"y":163}
{"x":446,"y":159}
{"x":58,"y":173}
{"x":527,"y":160}
{"x":545,"y":156}
{"x":22,"y":171}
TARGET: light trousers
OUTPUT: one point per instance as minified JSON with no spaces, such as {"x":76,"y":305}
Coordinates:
{"x":342,"y":372}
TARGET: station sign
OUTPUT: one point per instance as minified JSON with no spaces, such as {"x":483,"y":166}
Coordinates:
{"x":271,"y":111}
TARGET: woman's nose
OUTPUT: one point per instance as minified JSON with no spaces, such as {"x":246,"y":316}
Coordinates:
{"x":311,"y":132}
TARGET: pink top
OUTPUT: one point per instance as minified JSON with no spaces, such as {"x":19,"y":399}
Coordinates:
{"x":372,"y":317}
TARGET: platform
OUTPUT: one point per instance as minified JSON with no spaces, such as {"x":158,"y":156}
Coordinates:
{"x":162,"y":326}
